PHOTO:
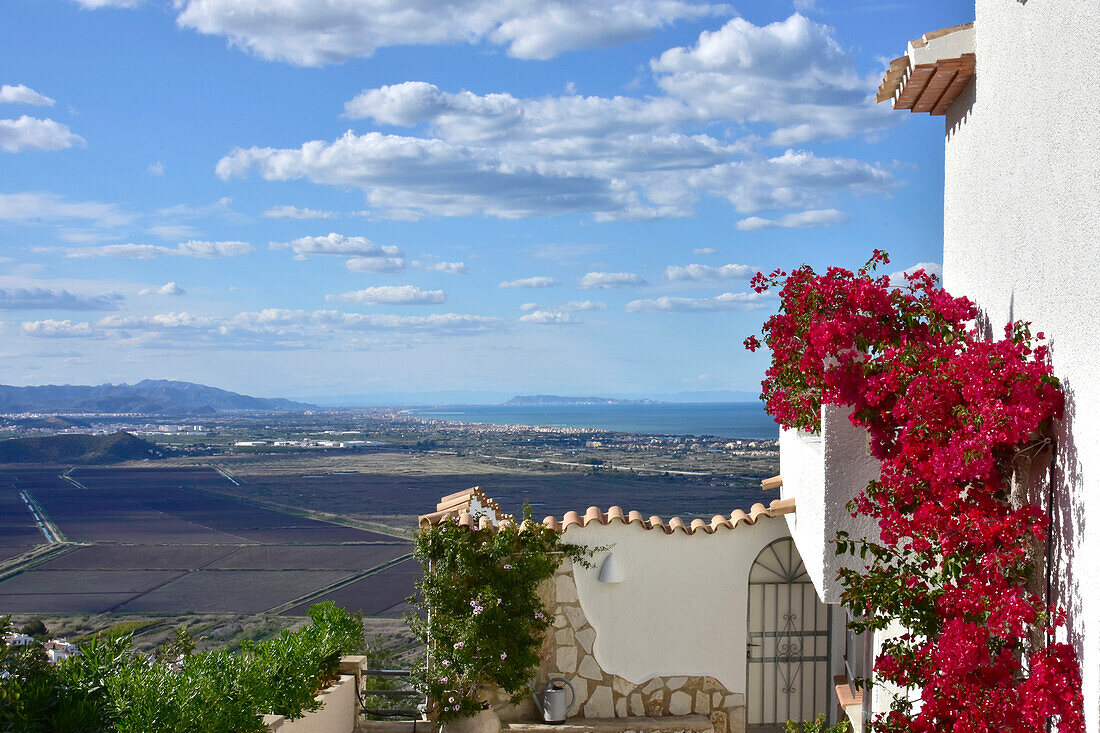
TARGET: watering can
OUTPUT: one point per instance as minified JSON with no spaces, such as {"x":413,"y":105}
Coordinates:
{"x":553,"y":706}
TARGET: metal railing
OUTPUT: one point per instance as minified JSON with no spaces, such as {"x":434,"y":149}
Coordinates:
{"x":373,"y":701}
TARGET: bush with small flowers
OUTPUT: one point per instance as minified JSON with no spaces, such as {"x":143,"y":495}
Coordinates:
{"x":481,"y":616}
{"x":947,"y":413}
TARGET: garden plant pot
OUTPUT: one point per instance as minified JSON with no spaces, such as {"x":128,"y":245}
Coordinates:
{"x":484,"y":722}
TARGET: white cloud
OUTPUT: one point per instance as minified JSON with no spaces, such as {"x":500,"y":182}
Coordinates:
{"x":723,"y":302}
{"x":338,"y":244}
{"x":319,"y":32}
{"x":50,"y":328}
{"x":451,"y":268}
{"x":572,"y":306}
{"x":173,"y":231}
{"x":409,"y":178}
{"x":293,"y":212}
{"x":32,"y":134}
{"x":169,"y":288}
{"x":707,"y":272}
{"x":538,"y":281}
{"x":156,"y":168}
{"x":608,"y":280}
{"x":704,"y":251}
{"x":48,"y":299}
{"x":193,"y":248}
{"x":23,"y":94}
{"x":614,"y":158}
{"x":468,"y":117}
{"x":391,"y":295}
{"x":375,"y":264}
{"x":584,"y":305}
{"x":549,"y":318}
{"x":799,"y":220}
{"x":222,"y":208}
{"x":271,"y":328}
{"x":932,"y":268}
{"x":792,"y":73}
{"x":38,"y":206}
{"x":795,"y":179}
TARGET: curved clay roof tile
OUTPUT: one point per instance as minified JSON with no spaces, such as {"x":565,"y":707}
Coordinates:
{"x":461,"y":513}
{"x":571,"y":518}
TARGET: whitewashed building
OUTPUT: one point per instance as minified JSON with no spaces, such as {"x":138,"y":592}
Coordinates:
{"x":1020,"y":93}
{"x":713,"y":626}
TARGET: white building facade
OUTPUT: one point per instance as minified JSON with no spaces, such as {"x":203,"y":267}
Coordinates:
{"x":1020,"y":92}
{"x":1022,"y":240}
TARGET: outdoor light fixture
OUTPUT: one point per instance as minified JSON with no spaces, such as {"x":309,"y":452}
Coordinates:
{"x":610,"y":572}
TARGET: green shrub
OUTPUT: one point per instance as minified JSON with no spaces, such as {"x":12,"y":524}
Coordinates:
{"x":110,"y":688}
{"x":815,"y":726}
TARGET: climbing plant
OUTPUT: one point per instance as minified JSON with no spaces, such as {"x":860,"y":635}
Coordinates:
{"x":481,"y":614}
{"x":947,"y":413}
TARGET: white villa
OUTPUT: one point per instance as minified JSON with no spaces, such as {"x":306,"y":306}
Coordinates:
{"x":733,"y":625}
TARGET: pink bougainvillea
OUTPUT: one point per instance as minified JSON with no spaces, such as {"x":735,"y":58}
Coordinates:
{"x":947,"y":414}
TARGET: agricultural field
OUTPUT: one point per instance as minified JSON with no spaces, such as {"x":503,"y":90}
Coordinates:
{"x":151,"y":541}
{"x":393,"y":487}
{"x":239,"y":545}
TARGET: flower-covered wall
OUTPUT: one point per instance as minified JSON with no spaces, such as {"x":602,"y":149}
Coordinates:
{"x":1021,"y":226}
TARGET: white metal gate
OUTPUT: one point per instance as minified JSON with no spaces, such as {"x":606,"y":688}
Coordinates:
{"x":788,"y":635}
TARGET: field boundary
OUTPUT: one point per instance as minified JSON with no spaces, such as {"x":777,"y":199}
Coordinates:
{"x":64,"y":476}
{"x":311,"y":513}
{"x":34,"y":557}
{"x":283,"y":607}
{"x":44,"y":517}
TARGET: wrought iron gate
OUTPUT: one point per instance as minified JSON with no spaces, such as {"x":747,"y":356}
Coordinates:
{"x":788,"y":635}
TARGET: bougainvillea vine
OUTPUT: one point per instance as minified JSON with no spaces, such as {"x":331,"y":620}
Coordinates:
{"x":948,"y":414}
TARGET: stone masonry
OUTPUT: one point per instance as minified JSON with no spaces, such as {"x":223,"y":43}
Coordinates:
{"x":567,"y":653}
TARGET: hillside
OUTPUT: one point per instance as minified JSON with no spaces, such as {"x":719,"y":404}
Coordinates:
{"x":148,"y":397}
{"x":87,"y":449}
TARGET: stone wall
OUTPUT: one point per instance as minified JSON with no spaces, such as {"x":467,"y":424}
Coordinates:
{"x":568,"y":653}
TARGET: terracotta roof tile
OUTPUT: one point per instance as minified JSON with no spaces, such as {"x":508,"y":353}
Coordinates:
{"x":772,"y":484}
{"x":930,"y":79}
{"x":458,"y":506}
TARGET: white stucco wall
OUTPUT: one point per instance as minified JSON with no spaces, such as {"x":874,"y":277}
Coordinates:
{"x":1022,"y":239}
{"x":823,"y":473}
{"x":681,"y":608}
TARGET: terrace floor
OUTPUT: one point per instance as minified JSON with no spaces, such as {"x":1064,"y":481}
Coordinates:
{"x":668,"y":724}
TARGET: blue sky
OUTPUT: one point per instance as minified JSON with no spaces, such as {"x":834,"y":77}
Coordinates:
{"x":316,"y":198}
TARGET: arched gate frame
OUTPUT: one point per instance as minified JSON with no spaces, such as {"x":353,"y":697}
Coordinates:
{"x":788,"y":642}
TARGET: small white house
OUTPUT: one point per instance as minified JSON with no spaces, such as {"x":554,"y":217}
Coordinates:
{"x":14,"y":638}
{"x":59,"y":649}
{"x":714,"y":621}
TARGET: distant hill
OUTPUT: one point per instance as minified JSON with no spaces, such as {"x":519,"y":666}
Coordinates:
{"x":95,"y":449}
{"x":148,"y":397}
{"x":548,"y":399}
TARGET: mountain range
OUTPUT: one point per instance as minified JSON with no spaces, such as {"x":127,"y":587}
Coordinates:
{"x":147,"y":397}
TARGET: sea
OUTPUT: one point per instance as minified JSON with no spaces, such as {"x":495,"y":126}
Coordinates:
{"x":735,"y":420}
